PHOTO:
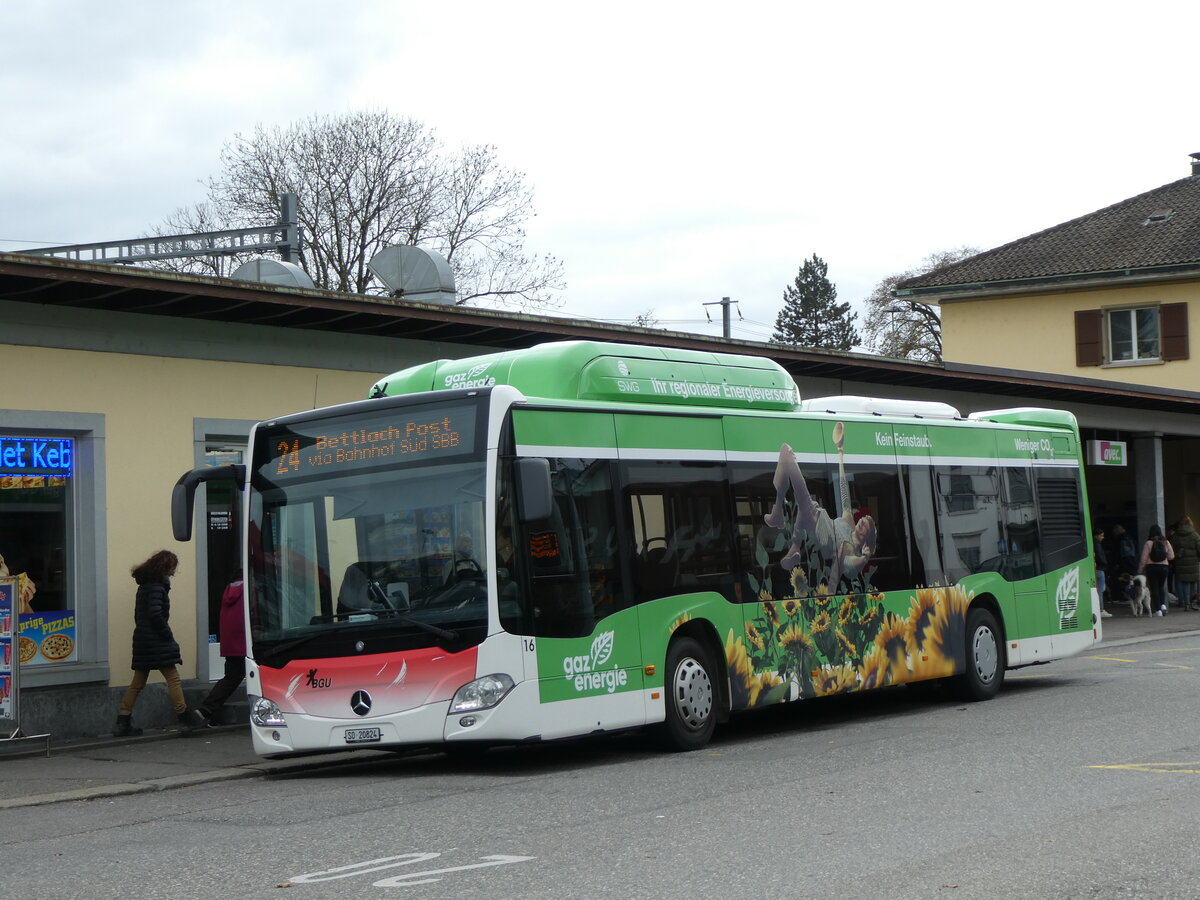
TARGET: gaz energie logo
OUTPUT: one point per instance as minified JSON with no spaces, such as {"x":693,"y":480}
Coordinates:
{"x":585,"y":673}
{"x":1068,"y":601}
{"x":476,"y":377}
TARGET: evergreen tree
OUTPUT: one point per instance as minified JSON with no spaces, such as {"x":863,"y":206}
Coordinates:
{"x":811,"y":315}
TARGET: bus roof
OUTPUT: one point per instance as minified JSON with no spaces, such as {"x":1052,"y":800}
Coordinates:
{"x":626,"y":373}
{"x":632,"y":373}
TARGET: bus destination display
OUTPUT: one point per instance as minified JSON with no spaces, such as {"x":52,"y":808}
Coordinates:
{"x":345,"y":446}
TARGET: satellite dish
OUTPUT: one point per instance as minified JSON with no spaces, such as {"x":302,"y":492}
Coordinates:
{"x":414,"y":273}
{"x":272,"y":271}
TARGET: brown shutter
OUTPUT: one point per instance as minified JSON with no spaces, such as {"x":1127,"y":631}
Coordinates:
{"x":1173,"y":324}
{"x":1089,"y":337}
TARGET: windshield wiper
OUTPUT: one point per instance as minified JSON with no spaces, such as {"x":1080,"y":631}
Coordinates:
{"x":380,"y":596}
{"x":282,"y":648}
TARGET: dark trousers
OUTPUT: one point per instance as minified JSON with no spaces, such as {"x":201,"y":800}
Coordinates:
{"x":1156,"y":580}
{"x":235,"y":673}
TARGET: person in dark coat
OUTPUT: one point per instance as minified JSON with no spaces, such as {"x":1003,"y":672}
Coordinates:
{"x":1186,"y":543}
{"x":154,"y":646}
{"x":232,"y":625}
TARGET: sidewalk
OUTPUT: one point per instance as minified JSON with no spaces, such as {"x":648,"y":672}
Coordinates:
{"x":164,"y":760}
{"x":1124,"y":627}
{"x":88,"y":769}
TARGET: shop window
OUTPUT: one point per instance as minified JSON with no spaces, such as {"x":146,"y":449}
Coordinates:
{"x":35,"y":505}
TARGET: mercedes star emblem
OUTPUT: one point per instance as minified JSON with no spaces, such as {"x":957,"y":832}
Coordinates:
{"x":360,"y":703}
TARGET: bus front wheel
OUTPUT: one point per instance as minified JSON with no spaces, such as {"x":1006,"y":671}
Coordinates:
{"x":985,"y":657}
{"x":691,"y":695}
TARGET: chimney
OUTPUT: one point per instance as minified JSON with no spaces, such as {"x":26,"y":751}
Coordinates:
{"x":1195,"y":163}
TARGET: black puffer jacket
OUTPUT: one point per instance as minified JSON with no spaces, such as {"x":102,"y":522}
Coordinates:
{"x":153,"y":644}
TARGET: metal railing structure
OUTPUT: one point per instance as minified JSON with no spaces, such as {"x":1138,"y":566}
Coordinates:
{"x":286,"y":239}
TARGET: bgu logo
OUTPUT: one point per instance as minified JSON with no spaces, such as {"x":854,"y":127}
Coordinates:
{"x":311,"y":680}
{"x":585,"y":672}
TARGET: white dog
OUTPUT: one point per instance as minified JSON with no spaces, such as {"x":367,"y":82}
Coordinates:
{"x":1137,"y":593}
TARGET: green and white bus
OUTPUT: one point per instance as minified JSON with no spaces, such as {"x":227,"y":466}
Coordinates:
{"x":583,"y":537}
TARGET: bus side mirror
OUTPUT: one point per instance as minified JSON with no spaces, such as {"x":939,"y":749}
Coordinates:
{"x":183,"y":495}
{"x":534,"y":489}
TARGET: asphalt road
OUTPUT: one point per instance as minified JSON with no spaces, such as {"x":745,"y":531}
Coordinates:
{"x":1079,"y":780}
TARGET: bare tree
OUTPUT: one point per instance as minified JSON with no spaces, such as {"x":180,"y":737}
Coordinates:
{"x":368,"y":180}
{"x":647,"y":319}
{"x":908,"y":329}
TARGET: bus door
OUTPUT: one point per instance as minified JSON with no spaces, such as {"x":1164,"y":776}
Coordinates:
{"x":1022,"y":525}
{"x":916,"y":449}
{"x":971,"y":485}
{"x":578,"y":616}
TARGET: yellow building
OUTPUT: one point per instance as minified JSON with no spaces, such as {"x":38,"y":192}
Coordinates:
{"x":1108,"y":299}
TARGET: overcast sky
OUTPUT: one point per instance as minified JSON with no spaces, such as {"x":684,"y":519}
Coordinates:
{"x":678,"y":152}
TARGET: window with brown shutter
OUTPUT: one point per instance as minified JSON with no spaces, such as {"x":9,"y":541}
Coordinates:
{"x":1089,"y":337}
{"x":1173,"y":323}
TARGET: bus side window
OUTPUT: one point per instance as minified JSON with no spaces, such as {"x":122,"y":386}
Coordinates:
{"x":678,"y":515}
{"x":761,"y":547}
{"x":574,"y":573}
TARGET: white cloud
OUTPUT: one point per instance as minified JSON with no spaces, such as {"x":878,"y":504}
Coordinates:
{"x":679,"y":152}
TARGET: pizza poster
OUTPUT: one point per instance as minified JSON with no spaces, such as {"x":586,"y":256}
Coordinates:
{"x":8,"y":593}
{"x":46,"y":637}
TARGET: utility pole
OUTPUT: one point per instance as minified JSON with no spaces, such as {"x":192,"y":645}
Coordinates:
{"x":724,"y":303}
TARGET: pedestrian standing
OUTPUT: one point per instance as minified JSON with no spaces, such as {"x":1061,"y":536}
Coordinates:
{"x":1186,"y":544}
{"x":1101,"y":568}
{"x":1154,"y":564}
{"x":154,"y":646}
{"x":1124,"y":555}
{"x":232,"y":625}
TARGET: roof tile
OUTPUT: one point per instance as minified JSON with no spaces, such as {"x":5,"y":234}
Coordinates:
{"x":1114,"y":239}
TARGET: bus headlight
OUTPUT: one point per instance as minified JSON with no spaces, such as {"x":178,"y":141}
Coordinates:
{"x":264,"y":712}
{"x":482,"y":693}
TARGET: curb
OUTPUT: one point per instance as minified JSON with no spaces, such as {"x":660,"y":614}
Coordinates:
{"x":191,"y":779}
{"x":1161,"y":636}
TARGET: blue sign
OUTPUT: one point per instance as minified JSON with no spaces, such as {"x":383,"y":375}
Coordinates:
{"x":36,"y":456}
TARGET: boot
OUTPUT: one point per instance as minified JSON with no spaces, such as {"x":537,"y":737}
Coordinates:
{"x":125,"y":727}
{"x":191,"y":719}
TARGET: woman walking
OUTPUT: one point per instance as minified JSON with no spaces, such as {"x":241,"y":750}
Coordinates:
{"x":1157,"y":554}
{"x":154,"y":645}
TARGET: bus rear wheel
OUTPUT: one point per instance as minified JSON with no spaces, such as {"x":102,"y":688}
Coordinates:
{"x":985,"y":657}
{"x":691,"y":694}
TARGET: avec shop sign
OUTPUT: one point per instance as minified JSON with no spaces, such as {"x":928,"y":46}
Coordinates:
{"x":1106,"y":453}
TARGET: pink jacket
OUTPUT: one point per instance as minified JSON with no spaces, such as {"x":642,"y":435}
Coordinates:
{"x":233,"y":621}
{"x":1146,"y":561}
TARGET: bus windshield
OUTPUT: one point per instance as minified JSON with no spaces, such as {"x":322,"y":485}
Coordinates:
{"x":366,"y":532}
